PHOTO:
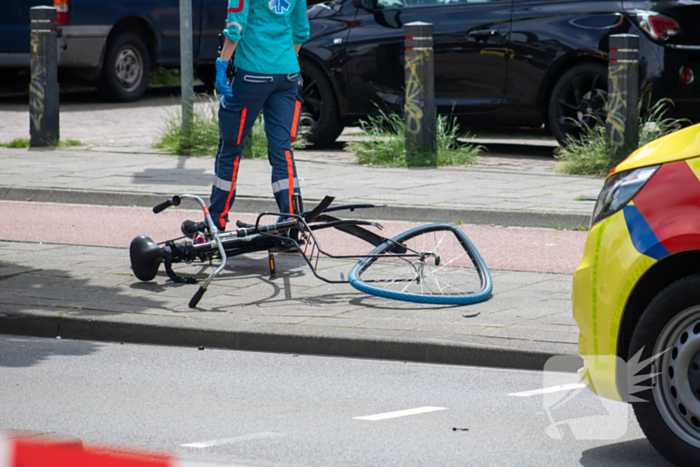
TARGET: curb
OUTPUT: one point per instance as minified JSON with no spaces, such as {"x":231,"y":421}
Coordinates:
{"x":424,"y":351}
{"x":539,"y":219}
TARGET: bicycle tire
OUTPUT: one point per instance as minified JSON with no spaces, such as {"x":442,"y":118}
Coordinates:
{"x":463,"y":263}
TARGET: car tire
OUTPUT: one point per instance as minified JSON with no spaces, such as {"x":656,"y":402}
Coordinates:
{"x":126,"y":68}
{"x":320,"y":118}
{"x":578,"y":94}
{"x":669,"y":413}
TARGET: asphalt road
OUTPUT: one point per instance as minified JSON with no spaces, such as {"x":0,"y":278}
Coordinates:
{"x":279,"y":409}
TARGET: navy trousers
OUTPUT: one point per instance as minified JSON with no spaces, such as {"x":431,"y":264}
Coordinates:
{"x":276,"y":96}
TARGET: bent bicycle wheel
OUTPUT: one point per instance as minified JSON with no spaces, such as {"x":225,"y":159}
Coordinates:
{"x":435,"y":263}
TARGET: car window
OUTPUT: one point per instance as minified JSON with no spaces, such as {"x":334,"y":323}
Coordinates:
{"x":392,"y":4}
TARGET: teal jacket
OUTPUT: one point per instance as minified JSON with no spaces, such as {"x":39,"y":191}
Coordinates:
{"x":266,"y":31}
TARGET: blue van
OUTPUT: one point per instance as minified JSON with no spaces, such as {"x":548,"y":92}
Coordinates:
{"x":116,"y":44}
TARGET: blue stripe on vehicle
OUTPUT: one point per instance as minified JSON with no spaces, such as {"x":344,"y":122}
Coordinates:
{"x":643,"y":238}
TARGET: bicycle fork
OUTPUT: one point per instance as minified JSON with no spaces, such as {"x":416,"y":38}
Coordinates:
{"x":215,"y":234}
{"x":175,"y":201}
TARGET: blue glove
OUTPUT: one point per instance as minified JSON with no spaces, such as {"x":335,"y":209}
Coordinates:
{"x":220,"y":82}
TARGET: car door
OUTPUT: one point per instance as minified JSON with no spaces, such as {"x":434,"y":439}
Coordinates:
{"x":471,"y":59}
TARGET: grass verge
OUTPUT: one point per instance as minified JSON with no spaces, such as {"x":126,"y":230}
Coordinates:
{"x":385,"y":142}
{"x":25,"y":142}
{"x":588,"y":154}
{"x":16,"y":143}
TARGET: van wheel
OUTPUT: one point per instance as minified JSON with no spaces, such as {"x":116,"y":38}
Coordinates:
{"x":126,"y":68}
{"x":670,"y":330}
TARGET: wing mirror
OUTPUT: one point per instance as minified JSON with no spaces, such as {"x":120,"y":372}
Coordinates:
{"x":365,"y":4}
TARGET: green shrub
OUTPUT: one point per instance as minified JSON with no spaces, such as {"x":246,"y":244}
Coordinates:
{"x":68,"y":143}
{"x":203,"y":137}
{"x":588,"y":154}
{"x":384,"y":142}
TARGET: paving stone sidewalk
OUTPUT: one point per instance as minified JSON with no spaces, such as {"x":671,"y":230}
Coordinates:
{"x":89,"y":292}
{"x":477,"y":195}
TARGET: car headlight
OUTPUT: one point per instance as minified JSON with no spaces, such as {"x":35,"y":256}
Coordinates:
{"x":619,"y":190}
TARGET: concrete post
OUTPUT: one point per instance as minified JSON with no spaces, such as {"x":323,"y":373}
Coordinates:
{"x":43,"y":89}
{"x":622,"y":125}
{"x":186,"y":67}
{"x":419,"y":110}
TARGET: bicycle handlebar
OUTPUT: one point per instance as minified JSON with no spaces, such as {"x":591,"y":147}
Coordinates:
{"x":174,"y":201}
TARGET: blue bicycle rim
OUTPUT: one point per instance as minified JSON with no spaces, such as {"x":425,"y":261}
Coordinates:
{"x":482,"y":294}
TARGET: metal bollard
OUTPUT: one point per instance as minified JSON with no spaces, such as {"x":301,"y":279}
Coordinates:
{"x":419,"y":110}
{"x":186,"y":68}
{"x":43,"y":89}
{"x":622,"y":125}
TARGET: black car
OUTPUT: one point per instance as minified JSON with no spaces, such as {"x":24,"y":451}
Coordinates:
{"x":505,"y":63}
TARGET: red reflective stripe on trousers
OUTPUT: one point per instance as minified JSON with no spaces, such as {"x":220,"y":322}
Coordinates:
{"x":240,"y":129}
{"x":297,"y":109}
{"x":290,"y":171}
{"x":222,"y":219}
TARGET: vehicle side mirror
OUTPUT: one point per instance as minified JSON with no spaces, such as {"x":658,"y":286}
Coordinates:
{"x":365,"y":4}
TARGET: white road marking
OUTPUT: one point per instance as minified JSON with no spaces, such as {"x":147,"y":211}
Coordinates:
{"x":536,"y":392}
{"x":400,"y":413}
{"x":237,"y":439}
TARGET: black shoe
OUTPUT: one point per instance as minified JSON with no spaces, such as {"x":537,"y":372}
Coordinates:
{"x":191,"y":228}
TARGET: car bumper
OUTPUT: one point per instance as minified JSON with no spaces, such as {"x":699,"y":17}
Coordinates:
{"x":609,"y":271}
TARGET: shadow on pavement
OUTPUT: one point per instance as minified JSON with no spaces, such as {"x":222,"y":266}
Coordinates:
{"x":638,"y":452}
{"x":517,"y":151}
{"x":60,"y":292}
{"x":22,"y":352}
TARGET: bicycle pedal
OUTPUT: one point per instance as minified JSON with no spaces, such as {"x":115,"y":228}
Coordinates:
{"x":273,"y":267}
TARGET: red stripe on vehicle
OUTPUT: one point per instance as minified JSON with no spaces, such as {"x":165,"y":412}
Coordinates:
{"x":239,"y":9}
{"x":297,"y":109}
{"x":240,"y":129}
{"x":672,"y":213}
{"x":222,"y":219}
{"x":290,"y":171}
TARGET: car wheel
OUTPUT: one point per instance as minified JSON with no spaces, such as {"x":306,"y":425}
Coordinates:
{"x":670,"y":330}
{"x":578,"y":100}
{"x":126,"y":68}
{"x":320,"y":118}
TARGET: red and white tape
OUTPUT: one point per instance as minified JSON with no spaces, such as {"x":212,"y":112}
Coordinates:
{"x":28,"y":452}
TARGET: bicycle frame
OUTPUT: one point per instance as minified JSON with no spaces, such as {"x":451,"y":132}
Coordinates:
{"x":254,"y":239}
{"x":296,"y":232}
